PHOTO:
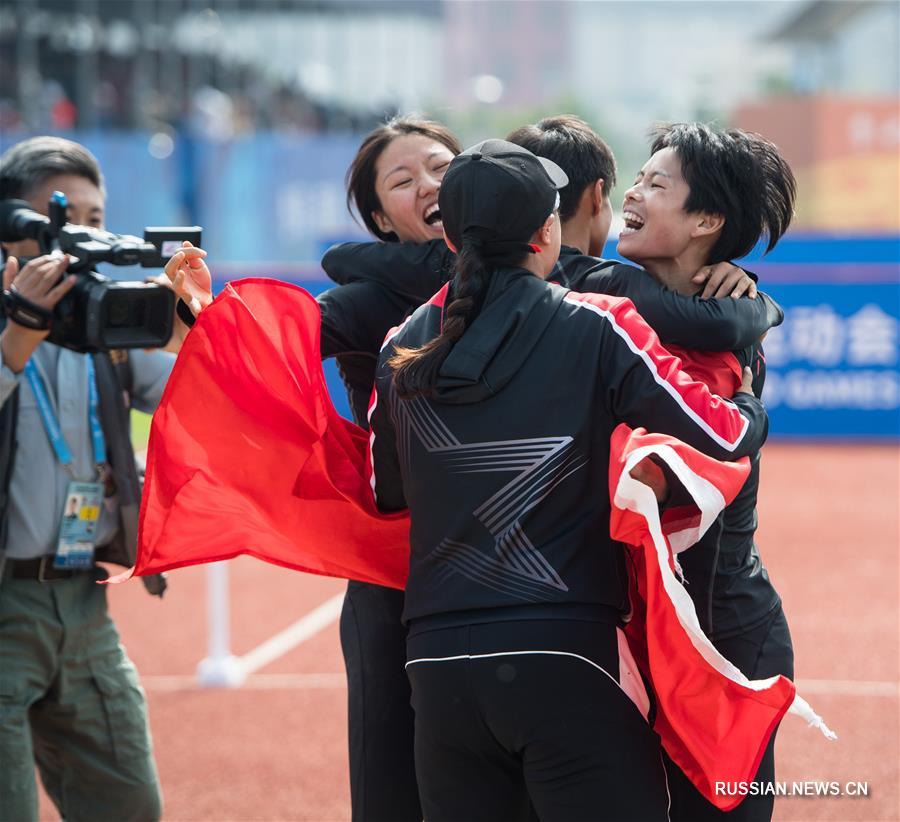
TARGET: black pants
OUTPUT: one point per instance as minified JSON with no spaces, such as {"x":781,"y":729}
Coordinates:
{"x":544,"y":732}
{"x":759,"y":654}
{"x":382,"y":770}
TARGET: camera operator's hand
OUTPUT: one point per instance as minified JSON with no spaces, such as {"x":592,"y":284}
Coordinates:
{"x":190,"y":277}
{"x":41,"y":282}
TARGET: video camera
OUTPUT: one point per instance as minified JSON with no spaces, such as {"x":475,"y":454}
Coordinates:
{"x":98,"y":314}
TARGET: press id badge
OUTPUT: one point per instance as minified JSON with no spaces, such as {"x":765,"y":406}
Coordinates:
{"x":78,"y":531}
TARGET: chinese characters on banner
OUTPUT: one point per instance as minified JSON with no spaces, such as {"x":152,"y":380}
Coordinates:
{"x":832,"y":367}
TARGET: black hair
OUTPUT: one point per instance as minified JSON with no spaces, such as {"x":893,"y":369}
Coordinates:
{"x":416,"y":369}
{"x":361,"y":174}
{"x":27,"y":165}
{"x":737,"y":174}
{"x":575,"y":147}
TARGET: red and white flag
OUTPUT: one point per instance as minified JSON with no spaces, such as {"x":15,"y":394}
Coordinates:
{"x":714,"y":723}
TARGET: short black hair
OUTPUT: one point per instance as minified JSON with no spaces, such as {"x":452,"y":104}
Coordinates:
{"x":25,"y":166}
{"x":577,"y":149}
{"x":737,"y":174}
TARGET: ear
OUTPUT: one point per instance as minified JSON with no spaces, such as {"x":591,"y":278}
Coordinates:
{"x":597,"y":194}
{"x":383,"y":223}
{"x":450,"y":244}
{"x":544,"y":235}
{"x":707,"y":225}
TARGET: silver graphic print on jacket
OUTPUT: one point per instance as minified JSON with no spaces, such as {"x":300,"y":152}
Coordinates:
{"x":513,"y":566}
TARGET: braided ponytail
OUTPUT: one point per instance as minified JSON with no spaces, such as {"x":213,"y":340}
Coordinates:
{"x":416,"y":369}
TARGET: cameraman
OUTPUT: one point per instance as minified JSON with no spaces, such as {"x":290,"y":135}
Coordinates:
{"x":70,"y":699}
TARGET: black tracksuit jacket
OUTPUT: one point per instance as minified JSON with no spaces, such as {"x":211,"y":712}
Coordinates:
{"x":383,"y":283}
{"x":505,"y":470}
{"x":725,"y":575}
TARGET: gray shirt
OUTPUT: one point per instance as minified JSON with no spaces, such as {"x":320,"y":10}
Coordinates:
{"x":39,"y":482}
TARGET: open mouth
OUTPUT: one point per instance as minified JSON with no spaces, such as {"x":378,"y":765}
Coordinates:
{"x":633,"y":223}
{"x":433,"y":216}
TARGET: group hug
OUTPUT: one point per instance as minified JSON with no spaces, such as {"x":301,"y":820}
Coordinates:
{"x":534,"y":424}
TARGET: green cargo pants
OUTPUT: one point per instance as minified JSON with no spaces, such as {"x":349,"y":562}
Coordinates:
{"x":71,"y":702}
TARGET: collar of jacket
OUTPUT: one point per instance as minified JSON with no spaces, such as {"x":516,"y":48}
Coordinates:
{"x":517,"y":308}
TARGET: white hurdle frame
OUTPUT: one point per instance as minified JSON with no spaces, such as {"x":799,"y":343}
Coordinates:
{"x":220,"y":668}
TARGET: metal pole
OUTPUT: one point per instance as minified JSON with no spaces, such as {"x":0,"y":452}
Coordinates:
{"x":220,"y":669}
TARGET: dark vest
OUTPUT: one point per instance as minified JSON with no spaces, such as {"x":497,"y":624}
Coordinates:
{"x":114,"y":385}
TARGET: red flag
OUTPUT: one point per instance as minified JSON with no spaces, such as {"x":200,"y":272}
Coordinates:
{"x":713,"y":722}
{"x":247,"y":454}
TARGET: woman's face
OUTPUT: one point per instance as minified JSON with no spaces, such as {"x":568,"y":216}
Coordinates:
{"x":408,"y":177}
{"x":657,"y":227}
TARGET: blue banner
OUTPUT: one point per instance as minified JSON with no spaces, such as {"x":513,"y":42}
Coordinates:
{"x":832,"y":367}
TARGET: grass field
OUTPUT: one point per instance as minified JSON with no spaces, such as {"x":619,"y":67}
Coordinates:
{"x":140,"y":429}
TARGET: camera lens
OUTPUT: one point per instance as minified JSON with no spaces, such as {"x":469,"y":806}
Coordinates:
{"x":139,"y":312}
{"x":133,"y":315}
{"x":118,"y":314}
{"x":127,"y":313}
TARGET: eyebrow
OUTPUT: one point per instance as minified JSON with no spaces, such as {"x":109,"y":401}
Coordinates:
{"x":396,"y":169}
{"x":660,"y":173}
{"x":403,"y":167}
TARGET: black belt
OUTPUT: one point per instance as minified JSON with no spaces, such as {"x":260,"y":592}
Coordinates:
{"x":41,"y":569}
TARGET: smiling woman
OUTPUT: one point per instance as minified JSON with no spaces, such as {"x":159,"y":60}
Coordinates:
{"x":393,"y":183}
{"x":407,"y":178}
{"x":704,"y":197}
{"x":394,"y":179}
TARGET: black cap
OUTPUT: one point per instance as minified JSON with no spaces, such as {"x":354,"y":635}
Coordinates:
{"x":498,"y":192}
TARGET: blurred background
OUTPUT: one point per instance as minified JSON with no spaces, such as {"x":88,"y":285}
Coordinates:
{"x":242,"y":116}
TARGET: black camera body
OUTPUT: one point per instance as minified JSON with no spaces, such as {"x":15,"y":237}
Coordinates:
{"x":99,"y":314}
